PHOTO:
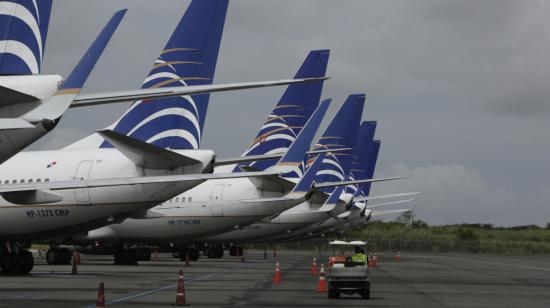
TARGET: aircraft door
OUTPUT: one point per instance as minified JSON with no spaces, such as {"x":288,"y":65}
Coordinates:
{"x":83,"y":173}
{"x":216,"y":198}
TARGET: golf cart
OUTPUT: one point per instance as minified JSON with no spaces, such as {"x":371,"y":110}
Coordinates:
{"x":344,"y":275}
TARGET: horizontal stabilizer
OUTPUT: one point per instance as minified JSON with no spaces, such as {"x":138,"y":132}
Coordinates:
{"x":375,"y":197}
{"x":272,"y":182}
{"x":14,"y":123}
{"x":10,"y":97}
{"x":389,"y":203}
{"x":253,"y":158}
{"x":344,"y":183}
{"x":83,"y":100}
{"x":387,"y":212}
{"x":146,"y":155}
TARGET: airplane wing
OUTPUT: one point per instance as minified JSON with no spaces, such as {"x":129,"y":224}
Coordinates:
{"x":253,"y":158}
{"x":78,"y":184}
{"x":375,"y":197}
{"x":83,"y":100}
{"x":344,"y":183}
{"x":387,"y":212}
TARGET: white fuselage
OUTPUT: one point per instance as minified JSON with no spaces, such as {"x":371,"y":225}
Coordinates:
{"x":84,"y":209}
{"x":296,"y":218}
{"x":213,"y":207}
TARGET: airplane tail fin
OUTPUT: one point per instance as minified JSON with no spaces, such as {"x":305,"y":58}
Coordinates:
{"x":363,"y":148}
{"x":291,"y":112}
{"x":341,"y":132}
{"x":24,"y":26}
{"x":369,"y":165}
{"x":189,"y":58}
{"x":294,"y":157}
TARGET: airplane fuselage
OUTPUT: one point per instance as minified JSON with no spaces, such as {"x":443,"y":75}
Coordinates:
{"x":80,"y":210}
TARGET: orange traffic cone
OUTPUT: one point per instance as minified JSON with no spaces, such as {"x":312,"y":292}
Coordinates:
{"x":100,"y":302}
{"x":180,"y":295}
{"x":314,"y":267}
{"x":277,"y":276}
{"x":397,"y":257}
{"x":74,"y":270}
{"x":322,"y":284}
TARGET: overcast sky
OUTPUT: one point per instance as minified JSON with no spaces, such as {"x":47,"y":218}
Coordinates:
{"x":460,"y":88}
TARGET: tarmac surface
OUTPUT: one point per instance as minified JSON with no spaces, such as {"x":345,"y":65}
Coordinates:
{"x":416,"y":281}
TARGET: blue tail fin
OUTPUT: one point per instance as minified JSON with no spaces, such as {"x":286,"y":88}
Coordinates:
{"x":189,"y":58}
{"x":298,"y":149}
{"x":292,"y":111}
{"x":23,"y":30}
{"x":363,"y":149}
{"x":341,"y":132}
{"x":370,"y":165}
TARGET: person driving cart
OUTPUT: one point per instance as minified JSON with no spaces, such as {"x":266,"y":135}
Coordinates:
{"x":359,"y":256}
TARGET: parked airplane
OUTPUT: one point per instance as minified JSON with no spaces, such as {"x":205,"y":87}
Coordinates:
{"x":357,"y":213}
{"x":214,"y":206}
{"x":148,"y":156}
{"x":341,"y":132}
{"x":31,"y":104}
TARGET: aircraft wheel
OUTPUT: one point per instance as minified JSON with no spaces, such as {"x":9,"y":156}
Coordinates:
{"x":52,"y":256}
{"x":7,"y":263}
{"x":132,"y":257}
{"x":28,"y":261}
{"x":120,"y":257}
{"x":65,"y":256}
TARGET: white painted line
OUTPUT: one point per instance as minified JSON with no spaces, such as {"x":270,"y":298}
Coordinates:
{"x":145,"y":293}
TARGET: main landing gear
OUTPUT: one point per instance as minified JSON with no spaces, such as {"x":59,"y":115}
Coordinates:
{"x":15,"y":259}
{"x":125,"y":255}
{"x":59,"y":256}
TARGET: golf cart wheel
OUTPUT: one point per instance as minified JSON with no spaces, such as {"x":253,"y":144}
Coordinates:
{"x":333,"y":293}
{"x":365,"y":293}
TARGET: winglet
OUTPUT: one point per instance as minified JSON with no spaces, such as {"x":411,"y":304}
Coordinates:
{"x":297,"y":150}
{"x":306,"y":181}
{"x":56,"y":106}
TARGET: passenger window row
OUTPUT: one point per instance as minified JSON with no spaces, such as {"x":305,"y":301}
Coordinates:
{"x":22,"y":181}
{"x":179,"y":200}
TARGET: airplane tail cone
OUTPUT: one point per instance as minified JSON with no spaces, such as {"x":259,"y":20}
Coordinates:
{"x":100,"y":302}
{"x":180,"y":295}
{"x":277,"y":276}
{"x":322,"y":284}
{"x":314,"y":267}
{"x":74,"y":270}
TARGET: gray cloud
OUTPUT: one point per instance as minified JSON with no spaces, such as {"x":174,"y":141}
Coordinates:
{"x":452,"y":83}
